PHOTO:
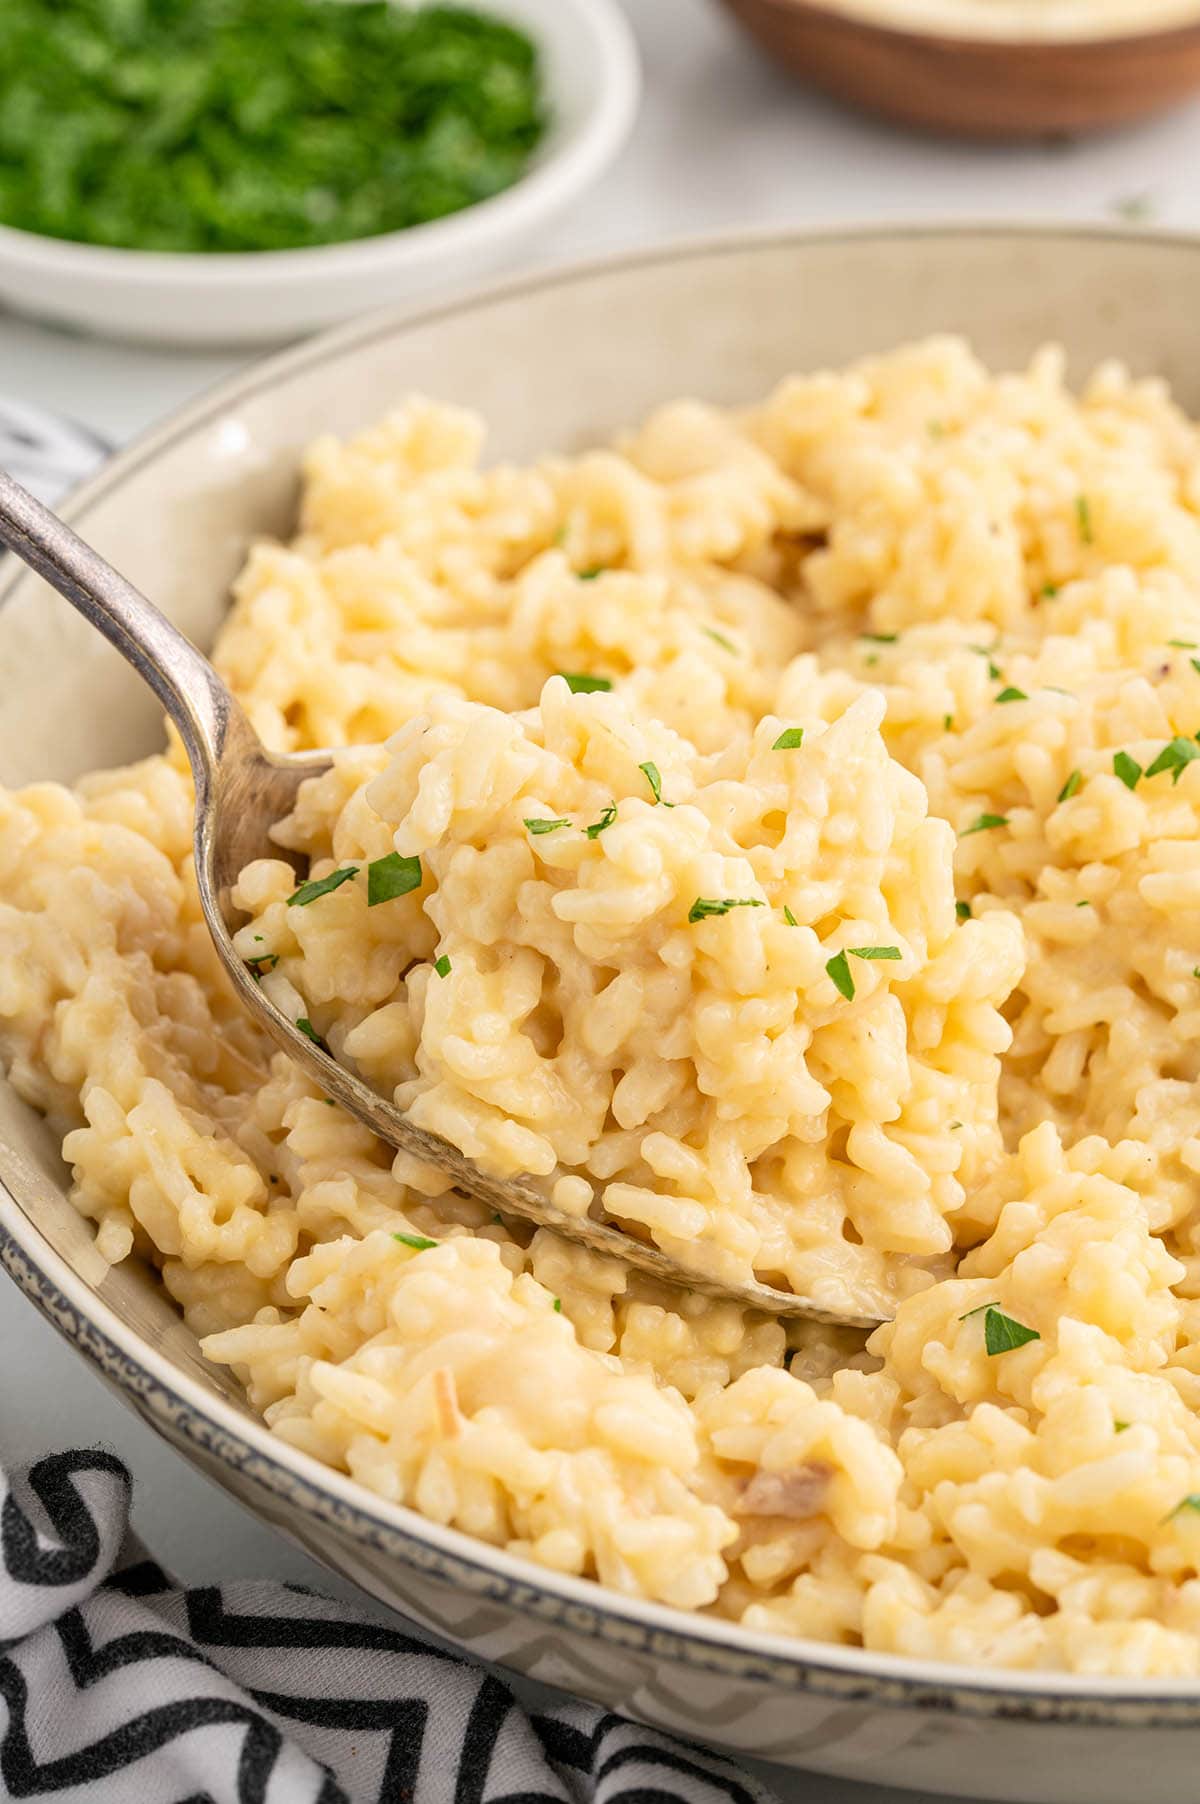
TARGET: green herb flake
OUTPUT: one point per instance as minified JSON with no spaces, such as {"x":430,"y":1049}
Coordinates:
{"x":1190,"y":1503}
{"x":420,"y":1243}
{"x":558,"y":1305}
{"x":726,"y":644}
{"x":886,"y":952}
{"x":539,"y":826}
{"x":580,"y":683}
{"x":442,"y":966}
{"x":1001,"y":1334}
{"x":789,"y":740}
{"x":310,"y":1033}
{"x":591,"y":573}
{"x":1184,"y":644}
{"x":983,"y":824}
{"x":880,"y":638}
{"x":321,"y":886}
{"x":1071,"y":787}
{"x":263,"y":961}
{"x":789,"y":917}
{"x":1083,"y":519}
{"x":607,"y":818}
{"x":390,"y":877}
{"x":1175,"y":757}
{"x":1120,"y":1427}
{"x":838,"y":968}
{"x":947,"y":723}
{"x":1048,"y":591}
{"x":1196,"y":970}
{"x":1127,"y":768}
{"x":963,"y":910}
{"x":1012,"y":695}
{"x":1085,"y":903}
{"x":705,"y":906}
{"x":651,"y":774}
{"x":1195,"y":664}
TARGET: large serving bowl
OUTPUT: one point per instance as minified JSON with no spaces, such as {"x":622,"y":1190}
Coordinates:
{"x":553,"y":363}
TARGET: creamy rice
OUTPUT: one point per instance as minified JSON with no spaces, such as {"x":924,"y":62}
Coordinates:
{"x":980,"y":599}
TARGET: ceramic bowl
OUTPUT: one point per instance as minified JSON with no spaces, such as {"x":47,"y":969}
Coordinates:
{"x":245,"y":298}
{"x":983,"y":84}
{"x":556,"y":362}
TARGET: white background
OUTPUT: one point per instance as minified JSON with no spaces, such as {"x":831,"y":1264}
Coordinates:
{"x":723,"y":140}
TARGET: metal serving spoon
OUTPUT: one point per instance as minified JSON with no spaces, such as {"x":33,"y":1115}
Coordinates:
{"x":241,"y":791}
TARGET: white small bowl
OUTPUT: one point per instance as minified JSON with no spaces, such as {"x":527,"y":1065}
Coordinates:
{"x":592,"y":80}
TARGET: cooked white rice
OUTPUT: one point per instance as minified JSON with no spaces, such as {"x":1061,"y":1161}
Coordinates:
{"x":980,"y":599}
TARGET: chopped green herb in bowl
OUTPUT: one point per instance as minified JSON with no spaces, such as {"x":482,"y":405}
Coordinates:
{"x":249,"y":125}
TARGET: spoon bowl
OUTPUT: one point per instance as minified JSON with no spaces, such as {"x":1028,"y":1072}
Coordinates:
{"x":242,"y":790}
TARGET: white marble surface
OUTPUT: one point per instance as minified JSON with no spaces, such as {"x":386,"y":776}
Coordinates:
{"x":723,"y":141}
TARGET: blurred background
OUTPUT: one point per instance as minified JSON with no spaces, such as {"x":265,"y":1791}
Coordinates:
{"x":720,"y":136}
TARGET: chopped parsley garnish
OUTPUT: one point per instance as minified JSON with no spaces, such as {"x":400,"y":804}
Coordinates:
{"x":1085,"y":902}
{"x":721,"y":639}
{"x":880,"y":638}
{"x":1175,"y":757}
{"x":547,"y":826}
{"x":1083,"y":519}
{"x":789,"y":739}
{"x":1001,"y":1333}
{"x":704,"y":906}
{"x":263,"y":961}
{"x":1190,"y":1502}
{"x":420,"y":1243}
{"x":947,"y":722}
{"x":983,"y":824}
{"x":1196,"y":970}
{"x":651,"y":774}
{"x":390,"y":877}
{"x":321,"y":886}
{"x":993,"y":669}
{"x":1127,"y":768}
{"x":1184,"y":644}
{"x":558,"y":1305}
{"x":257,"y":125}
{"x":310,"y":1033}
{"x":606,"y":820}
{"x":963,"y":910}
{"x":1049,"y":590}
{"x":591,"y":573}
{"x":789,"y":917}
{"x":838,"y":967}
{"x":1195,"y":664}
{"x":580,"y":683}
{"x":442,"y":966}
{"x":1012,"y":695}
{"x":1120,"y":1427}
{"x":1071,"y":787}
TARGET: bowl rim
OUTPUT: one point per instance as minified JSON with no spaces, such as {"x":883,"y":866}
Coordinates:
{"x":605,"y":44}
{"x":1122,"y":38}
{"x":150,"y":1382}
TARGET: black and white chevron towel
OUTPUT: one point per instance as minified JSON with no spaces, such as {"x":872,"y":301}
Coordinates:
{"x":117,"y":1687}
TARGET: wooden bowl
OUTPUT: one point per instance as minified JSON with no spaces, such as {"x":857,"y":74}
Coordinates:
{"x":979,"y":87}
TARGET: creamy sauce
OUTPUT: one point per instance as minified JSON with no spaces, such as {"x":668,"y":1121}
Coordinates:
{"x":1029,"y":20}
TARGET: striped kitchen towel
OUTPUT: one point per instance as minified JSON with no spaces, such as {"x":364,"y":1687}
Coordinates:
{"x":118,"y":1687}
{"x":47,"y":453}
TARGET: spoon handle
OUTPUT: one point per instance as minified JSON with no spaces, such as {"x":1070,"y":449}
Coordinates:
{"x":183,"y":680}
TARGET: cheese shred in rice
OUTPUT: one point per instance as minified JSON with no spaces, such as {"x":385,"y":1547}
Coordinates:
{"x":808,"y":827}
